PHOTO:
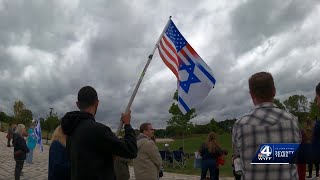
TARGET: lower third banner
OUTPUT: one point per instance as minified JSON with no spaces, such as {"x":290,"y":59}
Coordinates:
{"x":276,"y":154}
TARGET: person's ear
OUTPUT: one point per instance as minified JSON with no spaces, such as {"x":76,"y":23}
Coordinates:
{"x":252,"y":95}
{"x":274,"y":92}
{"x":97,"y":104}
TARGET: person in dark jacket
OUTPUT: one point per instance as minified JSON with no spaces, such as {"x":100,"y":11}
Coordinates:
{"x":301,"y":166}
{"x":307,"y":133}
{"x":59,"y":163}
{"x":20,"y":150}
{"x":316,"y":135}
{"x":210,"y":151}
{"x":316,"y":145}
{"x":121,"y":168}
{"x":91,"y":145}
{"x":9,"y":135}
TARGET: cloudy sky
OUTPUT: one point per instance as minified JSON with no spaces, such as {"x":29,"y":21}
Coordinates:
{"x":50,"y":49}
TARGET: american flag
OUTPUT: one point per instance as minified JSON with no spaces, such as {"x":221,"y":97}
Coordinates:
{"x":195,"y":78}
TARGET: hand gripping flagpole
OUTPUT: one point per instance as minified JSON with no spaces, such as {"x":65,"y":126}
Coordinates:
{"x":141,"y":76}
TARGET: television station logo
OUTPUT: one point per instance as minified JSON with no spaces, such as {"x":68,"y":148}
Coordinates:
{"x":277,"y":153}
{"x":265,"y":153}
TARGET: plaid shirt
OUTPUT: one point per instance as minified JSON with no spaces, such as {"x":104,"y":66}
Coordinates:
{"x":265,"y":124}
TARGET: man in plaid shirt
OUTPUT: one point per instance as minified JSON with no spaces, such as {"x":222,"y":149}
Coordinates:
{"x":265,"y":124}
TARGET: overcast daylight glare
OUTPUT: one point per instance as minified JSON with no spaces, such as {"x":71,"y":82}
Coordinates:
{"x":50,"y":49}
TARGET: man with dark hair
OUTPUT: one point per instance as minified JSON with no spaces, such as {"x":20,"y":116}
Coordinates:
{"x":148,"y":162}
{"x":91,"y":145}
{"x":265,"y":124}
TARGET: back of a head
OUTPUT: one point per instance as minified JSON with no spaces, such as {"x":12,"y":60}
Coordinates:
{"x":58,"y":135}
{"x":212,"y":142}
{"x":19,"y":128}
{"x":144,"y":127}
{"x":211,"y":137}
{"x":87,"y":96}
{"x":262,"y":85}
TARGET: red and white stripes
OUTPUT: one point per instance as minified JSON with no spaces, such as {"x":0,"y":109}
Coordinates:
{"x":168,"y":53}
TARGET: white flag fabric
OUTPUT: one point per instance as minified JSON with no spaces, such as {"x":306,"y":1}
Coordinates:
{"x":37,"y":134}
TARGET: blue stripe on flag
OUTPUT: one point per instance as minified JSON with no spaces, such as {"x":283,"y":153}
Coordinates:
{"x":185,"y":106}
{"x":206,"y":73}
{"x":201,"y":68}
{"x":38,"y":134}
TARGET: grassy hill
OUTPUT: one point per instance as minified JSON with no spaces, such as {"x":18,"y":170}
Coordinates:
{"x":191,"y":145}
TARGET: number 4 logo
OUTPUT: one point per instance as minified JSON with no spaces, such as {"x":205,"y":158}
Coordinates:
{"x":266,"y":150}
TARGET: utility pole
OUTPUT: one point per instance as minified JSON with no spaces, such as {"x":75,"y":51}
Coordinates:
{"x":49,"y":128}
{"x":51,"y":109}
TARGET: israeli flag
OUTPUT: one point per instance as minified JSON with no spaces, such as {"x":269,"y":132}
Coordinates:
{"x":37,"y":134}
{"x":196,"y":79}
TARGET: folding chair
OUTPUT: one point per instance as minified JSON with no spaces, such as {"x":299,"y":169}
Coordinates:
{"x":164,"y":158}
{"x":179,"y":159}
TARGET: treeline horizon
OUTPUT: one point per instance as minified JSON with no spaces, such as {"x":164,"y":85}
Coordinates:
{"x":179,"y":124}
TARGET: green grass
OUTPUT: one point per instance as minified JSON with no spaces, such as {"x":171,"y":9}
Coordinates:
{"x":191,"y":145}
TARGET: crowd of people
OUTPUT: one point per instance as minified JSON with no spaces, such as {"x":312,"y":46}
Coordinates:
{"x":83,"y":148}
{"x":23,"y":148}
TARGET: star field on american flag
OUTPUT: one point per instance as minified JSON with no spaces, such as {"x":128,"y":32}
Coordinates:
{"x":175,"y":36}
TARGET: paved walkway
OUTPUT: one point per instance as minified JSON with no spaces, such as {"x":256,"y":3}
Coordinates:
{"x":39,"y":169}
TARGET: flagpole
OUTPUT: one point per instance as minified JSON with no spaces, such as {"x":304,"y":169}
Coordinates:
{"x":141,"y":76}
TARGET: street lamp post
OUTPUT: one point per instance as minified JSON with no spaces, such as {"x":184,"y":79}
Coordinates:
{"x":49,"y":128}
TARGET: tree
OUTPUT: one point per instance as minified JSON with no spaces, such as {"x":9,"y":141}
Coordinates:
{"x":160,"y":133}
{"x":214,"y":126}
{"x":227,"y":125}
{"x":42,"y":123}
{"x":5,"y":118}
{"x":18,"y":107}
{"x":21,"y":114}
{"x":201,"y":129}
{"x":278,"y":103}
{"x":180,"y":122}
{"x":296,"y":103}
{"x":314,"y":109}
{"x":52,"y":123}
{"x":25,"y":117}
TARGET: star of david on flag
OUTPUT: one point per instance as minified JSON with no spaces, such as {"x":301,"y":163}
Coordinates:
{"x":195,"y":78}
